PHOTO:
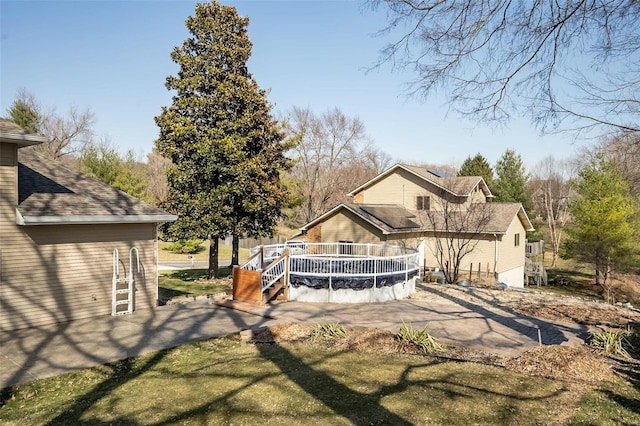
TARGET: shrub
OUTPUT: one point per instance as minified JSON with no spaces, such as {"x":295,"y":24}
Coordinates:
{"x":328,"y":330}
{"x":615,"y":342}
{"x":185,"y":247}
{"x":409,"y":337}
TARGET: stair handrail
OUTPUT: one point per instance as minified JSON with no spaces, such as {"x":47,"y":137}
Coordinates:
{"x":116,"y":264}
{"x":276,"y":270}
{"x":254,"y":263}
{"x":131,"y":259}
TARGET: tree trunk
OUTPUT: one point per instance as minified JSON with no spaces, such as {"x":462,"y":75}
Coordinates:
{"x":235,"y":244}
{"x":213,"y":257}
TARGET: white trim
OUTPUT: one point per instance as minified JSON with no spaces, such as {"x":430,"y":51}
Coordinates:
{"x":336,"y":208}
{"x":398,"y":165}
{"x":528,"y":226}
{"x":91,"y":220}
{"x":321,"y":218}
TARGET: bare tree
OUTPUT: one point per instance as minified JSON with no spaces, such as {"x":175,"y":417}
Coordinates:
{"x":65,"y":134}
{"x":333,"y":156}
{"x":573,"y":65}
{"x":456,"y":230}
{"x":551,"y":186}
{"x":156,"y":174}
{"x":624,"y":150}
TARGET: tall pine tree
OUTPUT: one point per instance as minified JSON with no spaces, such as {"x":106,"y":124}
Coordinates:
{"x":478,"y":166}
{"x":227,"y":151}
{"x":24,"y":114}
{"x":510,"y":185}
{"x":602,"y":231}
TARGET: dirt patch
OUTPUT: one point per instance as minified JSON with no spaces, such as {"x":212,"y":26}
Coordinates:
{"x":535,"y":304}
{"x":572,"y":364}
{"x":581,"y":313}
{"x":279,"y":333}
{"x":564,"y":363}
{"x":225,"y":282}
{"x":374,"y":340}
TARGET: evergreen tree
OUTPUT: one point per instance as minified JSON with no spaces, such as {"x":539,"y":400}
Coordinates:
{"x":104,"y":163}
{"x":24,"y":115}
{"x":227,"y":151}
{"x":602,"y":232}
{"x":510,"y":185}
{"x":478,"y":166}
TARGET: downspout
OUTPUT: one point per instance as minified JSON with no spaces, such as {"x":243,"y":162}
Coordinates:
{"x":495,"y":256}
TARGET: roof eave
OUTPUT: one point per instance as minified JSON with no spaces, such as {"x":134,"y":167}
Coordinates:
{"x":335,"y":209}
{"x":21,"y":139}
{"x":25,"y":220}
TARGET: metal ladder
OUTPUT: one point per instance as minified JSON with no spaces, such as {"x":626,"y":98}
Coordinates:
{"x":122,"y":288}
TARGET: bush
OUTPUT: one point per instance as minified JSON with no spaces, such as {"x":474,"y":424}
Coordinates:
{"x":612,"y":342}
{"x":185,"y":247}
{"x":328,"y":330}
{"x":409,"y":337}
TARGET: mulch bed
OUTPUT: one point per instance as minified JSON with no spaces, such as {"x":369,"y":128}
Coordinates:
{"x":577,"y":364}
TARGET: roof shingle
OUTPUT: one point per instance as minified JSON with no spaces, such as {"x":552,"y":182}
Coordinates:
{"x":47,"y":188}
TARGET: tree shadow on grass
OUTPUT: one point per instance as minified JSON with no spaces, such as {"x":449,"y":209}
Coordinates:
{"x":366,"y":408}
{"x":344,"y":401}
{"x":630,"y":404}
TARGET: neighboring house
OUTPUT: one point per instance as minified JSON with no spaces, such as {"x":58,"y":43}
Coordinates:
{"x":58,"y":233}
{"x":412,"y":206}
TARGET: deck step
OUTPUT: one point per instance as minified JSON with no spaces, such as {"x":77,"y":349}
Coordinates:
{"x":273,"y":291}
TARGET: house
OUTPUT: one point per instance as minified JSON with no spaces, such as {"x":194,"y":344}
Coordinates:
{"x":443,"y":215}
{"x":63,"y":237}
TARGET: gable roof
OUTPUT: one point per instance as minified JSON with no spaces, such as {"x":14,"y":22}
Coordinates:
{"x":483,"y":218}
{"x":495,"y":220}
{"x":460,"y":186}
{"x":50,"y":193}
{"x":378,"y":215}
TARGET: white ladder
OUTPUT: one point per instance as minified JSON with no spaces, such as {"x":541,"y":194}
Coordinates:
{"x":122,"y":288}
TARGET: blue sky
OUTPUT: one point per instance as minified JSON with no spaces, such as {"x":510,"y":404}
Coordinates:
{"x":113,"y":57}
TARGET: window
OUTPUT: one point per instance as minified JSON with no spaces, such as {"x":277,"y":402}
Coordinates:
{"x":516,"y":240}
{"x":423,"y":203}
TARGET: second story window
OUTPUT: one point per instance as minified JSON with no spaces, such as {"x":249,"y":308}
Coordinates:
{"x":423,"y":203}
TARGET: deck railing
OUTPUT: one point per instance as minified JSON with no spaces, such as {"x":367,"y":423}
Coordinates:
{"x":342,"y":259}
{"x":346,"y":250}
{"x":255,"y":261}
{"x":276,"y":270}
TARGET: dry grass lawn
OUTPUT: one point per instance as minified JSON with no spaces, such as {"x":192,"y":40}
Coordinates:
{"x":283,"y":376}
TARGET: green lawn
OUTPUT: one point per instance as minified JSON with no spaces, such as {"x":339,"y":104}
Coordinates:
{"x":224,"y":381}
{"x":182,"y":282}
{"x":165,"y":255}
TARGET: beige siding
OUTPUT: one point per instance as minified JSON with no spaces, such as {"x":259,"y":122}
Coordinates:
{"x":58,"y":273}
{"x":476,"y":196}
{"x":345,"y":226}
{"x":398,"y":188}
{"x":483,"y":253}
{"x":404,"y":188}
{"x":511,"y":256}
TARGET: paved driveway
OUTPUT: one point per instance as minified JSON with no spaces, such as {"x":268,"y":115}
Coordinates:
{"x":26,"y":355}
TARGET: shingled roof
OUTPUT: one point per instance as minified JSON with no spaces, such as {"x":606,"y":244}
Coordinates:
{"x":50,"y":193}
{"x":10,"y":132}
{"x":461,"y":186}
{"x":489,"y":218}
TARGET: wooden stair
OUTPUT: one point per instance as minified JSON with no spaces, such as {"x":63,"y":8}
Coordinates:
{"x":273,"y":292}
